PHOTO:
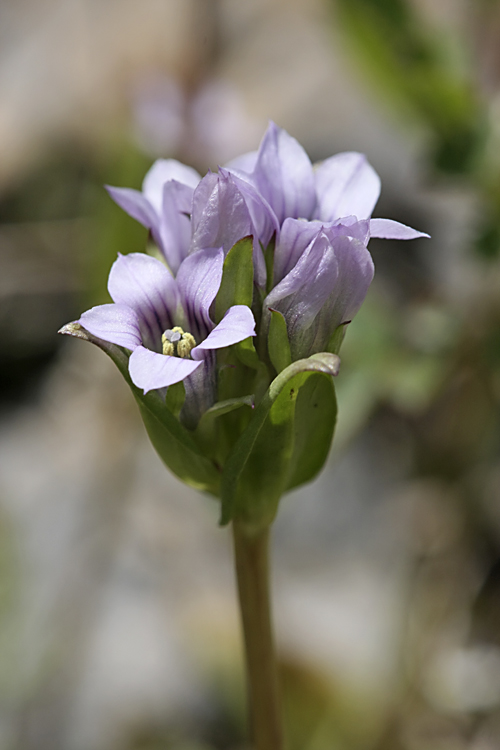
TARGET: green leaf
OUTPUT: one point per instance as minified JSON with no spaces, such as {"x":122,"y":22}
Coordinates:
{"x":315,"y":420}
{"x":173,"y":443}
{"x":263,"y":462}
{"x":237,"y":278}
{"x":278,"y":343}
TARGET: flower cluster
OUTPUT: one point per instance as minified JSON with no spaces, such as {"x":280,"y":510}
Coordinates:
{"x":229,"y":336}
{"x":310,"y":226}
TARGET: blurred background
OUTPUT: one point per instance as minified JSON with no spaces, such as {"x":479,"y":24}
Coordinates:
{"x":118,"y":621}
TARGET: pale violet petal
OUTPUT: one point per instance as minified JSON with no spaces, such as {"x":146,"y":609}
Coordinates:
{"x":304,"y":290}
{"x":161,"y":172}
{"x":283,"y":174}
{"x":175,"y":223}
{"x":149,"y":370}
{"x":237,"y":324}
{"x":220,"y":214}
{"x":347,"y":292}
{"x":346,"y":184}
{"x":244,"y":163}
{"x":145,"y":284}
{"x":388,"y":229}
{"x":350,"y":227}
{"x":226,"y":209}
{"x":355,"y":275}
{"x":117,"y":324}
{"x":295,"y":236}
{"x":135,"y":204}
{"x":199,"y":279}
{"x":262,"y":215}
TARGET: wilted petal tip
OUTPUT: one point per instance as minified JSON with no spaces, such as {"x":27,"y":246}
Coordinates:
{"x":74,"y":329}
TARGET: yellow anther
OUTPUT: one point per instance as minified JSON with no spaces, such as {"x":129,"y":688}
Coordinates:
{"x":185,"y":345}
{"x":176,"y":343}
{"x":167,"y":347}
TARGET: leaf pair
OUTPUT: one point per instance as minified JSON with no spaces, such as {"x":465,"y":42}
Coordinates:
{"x":286,"y":442}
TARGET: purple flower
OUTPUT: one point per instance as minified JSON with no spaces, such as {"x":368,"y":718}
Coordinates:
{"x":345,"y":185}
{"x":166,"y":323}
{"x":164,"y":207}
{"x":319,"y":216}
{"x":322,"y":275}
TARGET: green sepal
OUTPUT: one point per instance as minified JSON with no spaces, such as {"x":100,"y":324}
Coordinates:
{"x":176,"y":395}
{"x":213,"y":433}
{"x":269,"y":456}
{"x":337,"y":337}
{"x":245,"y":351}
{"x":269,"y":261}
{"x":236,"y":287}
{"x":174,"y":444}
{"x":278,"y":343}
{"x":224,"y":407}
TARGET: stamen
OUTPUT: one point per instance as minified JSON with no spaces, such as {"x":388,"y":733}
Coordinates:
{"x":177,"y":343}
{"x":166,"y":346}
{"x":185,"y":345}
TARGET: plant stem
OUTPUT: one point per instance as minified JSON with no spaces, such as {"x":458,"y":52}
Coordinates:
{"x":252,"y":571}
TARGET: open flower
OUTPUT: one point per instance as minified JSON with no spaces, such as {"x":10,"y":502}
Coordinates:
{"x":166,"y":323}
{"x":269,"y":233}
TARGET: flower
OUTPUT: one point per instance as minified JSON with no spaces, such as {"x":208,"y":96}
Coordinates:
{"x":254,"y":195}
{"x":317,"y":216}
{"x":321,"y":276}
{"x":270,"y":235}
{"x":343,"y":185}
{"x":166,"y":323}
{"x":163,"y":207}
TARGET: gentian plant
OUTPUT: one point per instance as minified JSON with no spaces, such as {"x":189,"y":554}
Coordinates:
{"x":229,"y":340}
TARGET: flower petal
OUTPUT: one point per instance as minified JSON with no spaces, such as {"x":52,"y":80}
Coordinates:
{"x":199,"y":279}
{"x":135,"y":204}
{"x":388,"y":229}
{"x":261,"y":214}
{"x":220,"y":215}
{"x":118,"y":324}
{"x":284,"y":175}
{"x":355,"y":274}
{"x":145,"y":284}
{"x":226,"y":209}
{"x":244,"y":163}
{"x":304,"y":290}
{"x":175,"y":222}
{"x":161,"y":172}
{"x":237,"y":324}
{"x":295,"y":236}
{"x":149,"y":370}
{"x":346,"y":184}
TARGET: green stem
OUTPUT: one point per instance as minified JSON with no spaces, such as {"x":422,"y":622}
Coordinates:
{"x":252,"y":570}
